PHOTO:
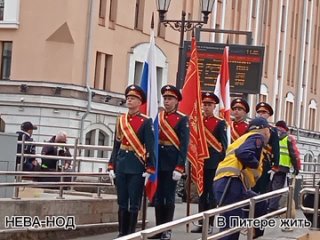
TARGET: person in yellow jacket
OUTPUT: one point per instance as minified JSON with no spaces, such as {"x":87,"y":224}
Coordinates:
{"x":240,"y":170}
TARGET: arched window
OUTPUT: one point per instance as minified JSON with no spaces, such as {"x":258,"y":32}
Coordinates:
{"x":308,"y":158}
{"x":101,"y":135}
{"x":263,"y":97}
{"x":312,"y":115}
{"x":96,"y":137}
{"x":289,"y":101}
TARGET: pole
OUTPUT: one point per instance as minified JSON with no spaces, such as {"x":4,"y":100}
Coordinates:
{"x":188,"y":193}
{"x":144,"y":209}
{"x":180,"y":80}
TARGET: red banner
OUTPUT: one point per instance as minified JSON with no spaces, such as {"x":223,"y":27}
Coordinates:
{"x":191,"y":105}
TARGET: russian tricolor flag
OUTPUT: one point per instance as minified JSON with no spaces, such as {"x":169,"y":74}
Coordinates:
{"x":149,"y":85}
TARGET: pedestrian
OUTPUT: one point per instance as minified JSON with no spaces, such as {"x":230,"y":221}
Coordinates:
{"x":271,"y":157}
{"x":173,"y":147}
{"x":240,"y":170}
{"x":289,"y":157}
{"x":29,"y":163}
{"x":132,"y":159}
{"x":59,"y":151}
{"x":239,"y":125}
{"x":216,"y":137}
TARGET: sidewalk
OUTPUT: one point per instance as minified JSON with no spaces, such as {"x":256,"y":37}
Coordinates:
{"x":180,"y":232}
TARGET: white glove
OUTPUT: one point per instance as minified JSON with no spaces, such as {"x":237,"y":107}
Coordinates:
{"x":146,"y":176}
{"x":112,"y":175}
{"x":271,"y":172}
{"x":176,"y":176}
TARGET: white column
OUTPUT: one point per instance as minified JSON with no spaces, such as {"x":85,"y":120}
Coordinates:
{"x":276,"y":60}
{"x":299,"y":90}
{"x":223,"y":15}
{"x":213,"y":20}
{"x":280,"y":113}
{"x":308,"y":60}
{"x":251,"y":98}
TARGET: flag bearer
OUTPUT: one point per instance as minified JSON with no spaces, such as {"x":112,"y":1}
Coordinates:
{"x":173,"y":146}
{"x":216,"y":136}
{"x":132,"y":159}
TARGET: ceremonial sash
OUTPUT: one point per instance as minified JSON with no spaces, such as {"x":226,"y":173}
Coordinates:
{"x":213,"y":142}
{"x":234,"y":134}
{"x":131,"y":136}
{"x":168,"y":131}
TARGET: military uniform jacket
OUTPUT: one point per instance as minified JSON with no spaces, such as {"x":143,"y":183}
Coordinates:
{"x":171,"y":158}
{"x":123,"y":157}
{"x":218,"y":129}
{"x":238,"y":128}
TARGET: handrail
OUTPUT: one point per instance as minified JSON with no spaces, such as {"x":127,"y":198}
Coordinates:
{"x":144,"y":234}
{"x":53,"y":174}
{"x":315,"y":210}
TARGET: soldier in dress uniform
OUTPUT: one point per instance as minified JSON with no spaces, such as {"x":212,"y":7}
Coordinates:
{"x":132,"y":159}
{"x":239,"y":126}
{"x":272,"y":155}
{"x":216,"y":136}
{"x":173,"y":147}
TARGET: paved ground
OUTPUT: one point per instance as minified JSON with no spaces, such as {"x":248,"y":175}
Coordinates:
{"x":180,"y":232}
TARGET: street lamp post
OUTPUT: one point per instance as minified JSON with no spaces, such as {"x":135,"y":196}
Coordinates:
{"x":183,"y":26}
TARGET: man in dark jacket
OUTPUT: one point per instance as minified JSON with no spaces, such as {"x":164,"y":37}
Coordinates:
{"x":51,"y":164}
{"x":29,"y":163}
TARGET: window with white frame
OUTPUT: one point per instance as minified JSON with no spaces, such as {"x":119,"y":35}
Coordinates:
{"x":307,"y":159}
{"x":289,"y":101}
{"x":137,"y":59}
{"x":9,"y":13}
{"x":97,"y":137}
{"x":5,"y":60}
{"x":1,"y":9}
{"x":312,"y":115}
{"x":263,"y":96}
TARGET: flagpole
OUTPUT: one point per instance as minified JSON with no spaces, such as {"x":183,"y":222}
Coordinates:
{"x":144,"y":200}
{"x":188,"y":193}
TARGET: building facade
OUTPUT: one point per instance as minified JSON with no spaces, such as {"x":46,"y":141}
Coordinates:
{"x":65,"y":64}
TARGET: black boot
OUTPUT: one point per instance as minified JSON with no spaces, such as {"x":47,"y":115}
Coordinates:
{"x":123,"y":222}
{"x":159,"y":221}
{"x":168,"y":217}
{"x":201,"y":208}
{"x":211,"y":219}
{"x":133,"y":218}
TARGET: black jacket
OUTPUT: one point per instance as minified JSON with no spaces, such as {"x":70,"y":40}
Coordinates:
{"x":28,"y":149}
{"x":53,"y":151}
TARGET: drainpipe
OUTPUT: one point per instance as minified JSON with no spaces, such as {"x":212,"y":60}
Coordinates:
{"x":88,"y":64}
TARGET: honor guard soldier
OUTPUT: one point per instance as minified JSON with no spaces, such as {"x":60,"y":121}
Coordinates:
{"x":271,"y":159}
{"x":173,"y":147}
{"x":239,"y":126}
{"x":216,"y":136}
{"x":240,"y":170}
{"x":132,"y":159}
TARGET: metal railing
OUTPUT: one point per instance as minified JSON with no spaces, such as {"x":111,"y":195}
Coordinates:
{"x":75,"y":160}
{"x":315,"y":210}
{"x":144,"y":234}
